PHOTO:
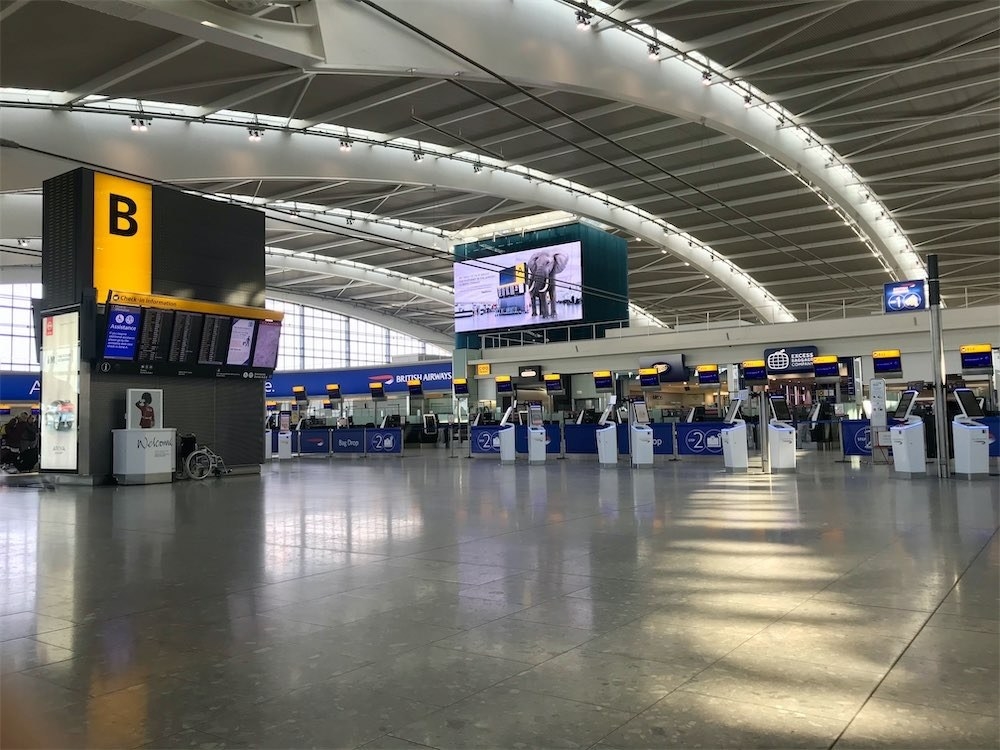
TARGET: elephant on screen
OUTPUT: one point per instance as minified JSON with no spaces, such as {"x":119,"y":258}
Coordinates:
{"x":541,"y":271}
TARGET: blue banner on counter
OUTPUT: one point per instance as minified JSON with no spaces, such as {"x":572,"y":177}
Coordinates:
{"x":857,"y":437}
{"x":581,"y":438}
{"x":348,"y":441}
{"x":551,"y":439}
{"x":387,"y":442}
{"x":314,"y":442}
{"x":699,"y":438}
{"x":663,"y":438}
{"x":994,"y":424}
{"x":485,"y":440}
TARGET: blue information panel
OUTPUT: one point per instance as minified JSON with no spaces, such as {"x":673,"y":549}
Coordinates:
{"x":994,"y":424}
{"x":857,"y":435}
{"x":581,"y":438}
{"x":904,"y":296}
{"x":123,"y":332}
{"x":348,"y":441}
{"x":663,"y":438}
{"x":388,"y":441}
{"x":314,"y":442}
{"x":485,"y":440}
{"x":699,"y":438}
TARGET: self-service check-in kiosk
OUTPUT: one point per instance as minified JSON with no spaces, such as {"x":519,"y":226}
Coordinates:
{"x":780,"y":436}
{"x":640,"y":435}
{"x":971,"y":438}
{"x":506,"y":435}
{"x":734,"y":438}
{"x":536,"y":435}
{"x":607,"y":436}
{"x":907,"y":437}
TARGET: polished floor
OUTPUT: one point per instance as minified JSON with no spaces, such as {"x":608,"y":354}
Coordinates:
{"x":449,"y":603}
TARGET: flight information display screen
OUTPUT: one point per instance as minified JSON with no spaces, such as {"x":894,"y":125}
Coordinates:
{"x":154,"y":343}
{"x":122,"y":337}
{"x":461,"y":387}
{"x":708,"y":377}
{"x":604,"y":382}
{"x":826,"y":370}
{"x":265,"y":351}
{"x":214,"y":340}
{"x":977,"y":361}
{"x":505,"y":386}
{"x":649,"y":379}
{"x":185,"y":337}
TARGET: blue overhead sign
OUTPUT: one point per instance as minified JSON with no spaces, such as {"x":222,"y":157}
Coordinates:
{"x":790,"y":359}
{"x":20,"y":386}
{"x":905,"y":296}
{"x":434,"y":376}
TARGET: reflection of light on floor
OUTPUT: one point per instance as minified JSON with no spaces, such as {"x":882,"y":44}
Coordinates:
{"x":340,"y":528}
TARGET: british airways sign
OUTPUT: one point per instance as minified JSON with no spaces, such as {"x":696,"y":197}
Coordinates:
{"x":436,"y":376}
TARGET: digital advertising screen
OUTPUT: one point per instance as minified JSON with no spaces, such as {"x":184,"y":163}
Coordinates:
{"x":905,"y":296}
{"x":154,"y":342}
{"x":265,"y":351}
{"x":61,"y":390}
{"x":122,"y":339}
{"x":524,"y":288}
{"x":240,"y":342}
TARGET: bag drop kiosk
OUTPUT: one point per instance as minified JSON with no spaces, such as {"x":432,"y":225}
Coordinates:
{"x":506,"y":436}
{"x":536,"y":435}
{"x":780,"y":436}
{"x":970,"y":438}
{"x":640,"y":435}
{"x":734,"y":438}
{"x":607,"y":436}
{"x":907,"y":437}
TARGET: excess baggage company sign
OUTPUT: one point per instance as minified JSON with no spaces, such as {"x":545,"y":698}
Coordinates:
{"x":790,"y":359}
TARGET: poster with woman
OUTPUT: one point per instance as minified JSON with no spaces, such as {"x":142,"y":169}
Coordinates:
{"x":143,"y":408}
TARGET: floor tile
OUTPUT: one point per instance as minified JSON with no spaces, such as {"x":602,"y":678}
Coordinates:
{"x":967,"y":647}
{"x":825,"y":645}
{"x":588,"y":614}
{"x":608,"y":680}
{"x":961,"y":622}
{"x":685,"y":720}
{"x":859,"y":620}
{"x":943,"y":684}
{"x":27,"y":653}
{"x":27,"y":624}
{"x":460,"y":612}
{"x":645,"y":639}
{"x":518,"y":640}
{"x":509,"y":718}
{"x":192,"y":739}
{"x":890,"y":724}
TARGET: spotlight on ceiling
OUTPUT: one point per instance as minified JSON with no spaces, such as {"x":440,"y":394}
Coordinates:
{"x":345,"y":144}
{"x":706,"y":78}
{"x":654,"y":51}
{"x":22,"y":242}
{"x":418,"y":156}
{"x":747,"y":102}
{"x":140,"y":124}
{"x":583,"y":20}
{"x":477,"y":168}
{"x":255,"y":134}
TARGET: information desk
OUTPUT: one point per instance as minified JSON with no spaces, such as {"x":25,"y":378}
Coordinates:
{"x":144,"y":456}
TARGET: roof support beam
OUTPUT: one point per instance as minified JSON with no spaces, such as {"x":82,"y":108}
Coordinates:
{"x":245,"y":95}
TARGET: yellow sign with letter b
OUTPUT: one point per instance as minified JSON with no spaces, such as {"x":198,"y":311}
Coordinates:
{"x":123,"y":235}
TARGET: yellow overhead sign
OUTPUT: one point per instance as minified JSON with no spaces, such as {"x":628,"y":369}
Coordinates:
{"x":648,"y":371}
{"x":975,"y":348}
{"x":753,"y":363}
{"x":602,"y":373}
{"x":885,"y":354}
{"x":123,"y":235}
{"x":460,"y":381}
{"x":825,"y":359}
{"x":483,"y":370}
{"x":706,"y":368}
{"x":503,"y":378}
{"x":551,"y":376}
{"x":164,"y":302}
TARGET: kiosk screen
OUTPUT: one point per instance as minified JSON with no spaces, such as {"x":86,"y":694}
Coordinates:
{"x":779,"y":408}
{"x":968,"y":403}
{"x":535,"y":415}
{"x":154,"y":344}
{"x":265,"y":351}
{"x":905,"y":406}
{"x":733,"y":412}
{"x":641,"y":412}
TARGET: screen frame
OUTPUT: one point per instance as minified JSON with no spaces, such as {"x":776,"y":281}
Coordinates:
{"x":641,"y":412}
{"x":968,"y":403}
{"x":732,"y":413}
{"x":772,"y":400}
{"x":107,"y":330}
{"x":907,"y":401}
{"x":256,"y":340}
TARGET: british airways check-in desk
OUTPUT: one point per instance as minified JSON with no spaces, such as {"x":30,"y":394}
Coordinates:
{"x":581,"y":439}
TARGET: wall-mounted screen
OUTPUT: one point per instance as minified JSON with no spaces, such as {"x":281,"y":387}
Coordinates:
{"x":604,"y":382}
{"x":525,"y":288}
{"x":265,"y":350}
{"x":977,"y":359}
{"x":154,"y":342}
{"x":240,"y":342}
{"x":376,"y":391}
{"x":554,"y":385}
{"x":649,"y":378}
{"x":214,"y":340}
{"x":826,"y":370}
{"x":887,"y":363}
{"x":754,"y":372}
{"x":905,"y":296}
{"x":61,"y":391}
{"x":186,"y":337}
{"x":122,"y":338}
{"x":333,"y":392}
{"x":460,"y":386}
{"x":504,"y":384}
{"x":707,"y":374}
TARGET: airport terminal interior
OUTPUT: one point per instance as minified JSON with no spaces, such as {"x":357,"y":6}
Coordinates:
{"x":451,"y":374}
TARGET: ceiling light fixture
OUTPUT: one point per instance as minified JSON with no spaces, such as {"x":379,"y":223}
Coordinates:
{"x":706,"y":78}
{"x":747,"y":102}
{"x":255,"y":134}
{"x":654,"y":51}
{"x":22,"y":243}
{"x":477,"y":168}
{"x":583,"y":20}
{"x":140,"y":124}
{"x":345,"y":144}
{"x":418,"y":156}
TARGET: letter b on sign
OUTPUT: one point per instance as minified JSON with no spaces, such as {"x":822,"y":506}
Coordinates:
{"x":122,"y":219}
